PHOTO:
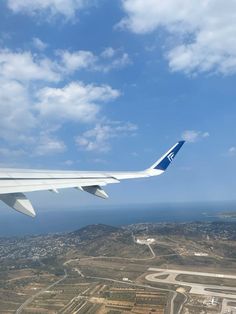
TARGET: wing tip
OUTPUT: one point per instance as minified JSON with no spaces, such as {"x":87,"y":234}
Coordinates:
{"x":163,"y":163}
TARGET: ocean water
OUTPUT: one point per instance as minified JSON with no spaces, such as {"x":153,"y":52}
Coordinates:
{"x":66,"y":220}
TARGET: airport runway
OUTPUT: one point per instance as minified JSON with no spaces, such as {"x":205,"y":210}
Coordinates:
{"x":183,"y":272}
{"x":196,"y":288}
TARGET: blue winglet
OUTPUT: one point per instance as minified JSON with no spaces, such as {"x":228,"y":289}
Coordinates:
{"x":165,"y":161}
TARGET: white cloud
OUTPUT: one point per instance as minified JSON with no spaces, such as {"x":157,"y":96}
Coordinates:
{"x":119,"y":62}
{"x":109,"y":59}
{"x":192,"y":136}
{"x":19,"y":91}
{"x":204,"y":31}
{"x":68,"y":162}
{"x":39,"y":44}
{"x":6,"y":152}
{"x":52,"y":8}
{"x":19,"y":71}
{"x":34,"y":98}
{"x":75,"y":101}
{"x":231,"y":151}
{"x":48,"y":145}
{"x":15,"y":111}
{"x":108,"y":52}
{"x":23,"y":66}
{"x":98,"y":138}
{"x":73,"y":61}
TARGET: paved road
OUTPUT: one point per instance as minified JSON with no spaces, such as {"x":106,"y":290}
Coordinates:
{"x":175,"y":293}
{"x":151,"y":250}
{"x":29,"y":300}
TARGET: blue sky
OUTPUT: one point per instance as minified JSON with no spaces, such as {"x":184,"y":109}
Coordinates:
{"x":93,"y":85}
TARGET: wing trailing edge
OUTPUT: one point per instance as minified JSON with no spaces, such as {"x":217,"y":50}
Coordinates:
{"x":15,"y":182}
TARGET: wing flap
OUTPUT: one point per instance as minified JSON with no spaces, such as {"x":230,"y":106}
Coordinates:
{"x":30,"y":185}
{"x":19,"y":202}
{"x":95,"y":190}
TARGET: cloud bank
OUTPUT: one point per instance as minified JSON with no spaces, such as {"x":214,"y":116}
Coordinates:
{"x":39,"y":95}
{"x":202,"y":32}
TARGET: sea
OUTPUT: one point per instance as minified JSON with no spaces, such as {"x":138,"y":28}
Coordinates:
{"x":69,"y":219}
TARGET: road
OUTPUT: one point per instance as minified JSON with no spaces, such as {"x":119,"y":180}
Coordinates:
{"x":30,"y":299}
{"x":151,"y":250}
{"x":175,"y":293}
{"x":172,"y":301}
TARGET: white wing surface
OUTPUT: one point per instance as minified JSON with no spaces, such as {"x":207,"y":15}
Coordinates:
{"x":15,"y":182}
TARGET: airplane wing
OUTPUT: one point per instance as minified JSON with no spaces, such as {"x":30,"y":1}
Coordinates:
{"x":15,"y":182}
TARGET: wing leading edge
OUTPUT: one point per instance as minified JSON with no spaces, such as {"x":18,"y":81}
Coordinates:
{"x":14,"y":183}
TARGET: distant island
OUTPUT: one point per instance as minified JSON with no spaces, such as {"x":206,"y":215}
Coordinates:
{"x":228,"y":214}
